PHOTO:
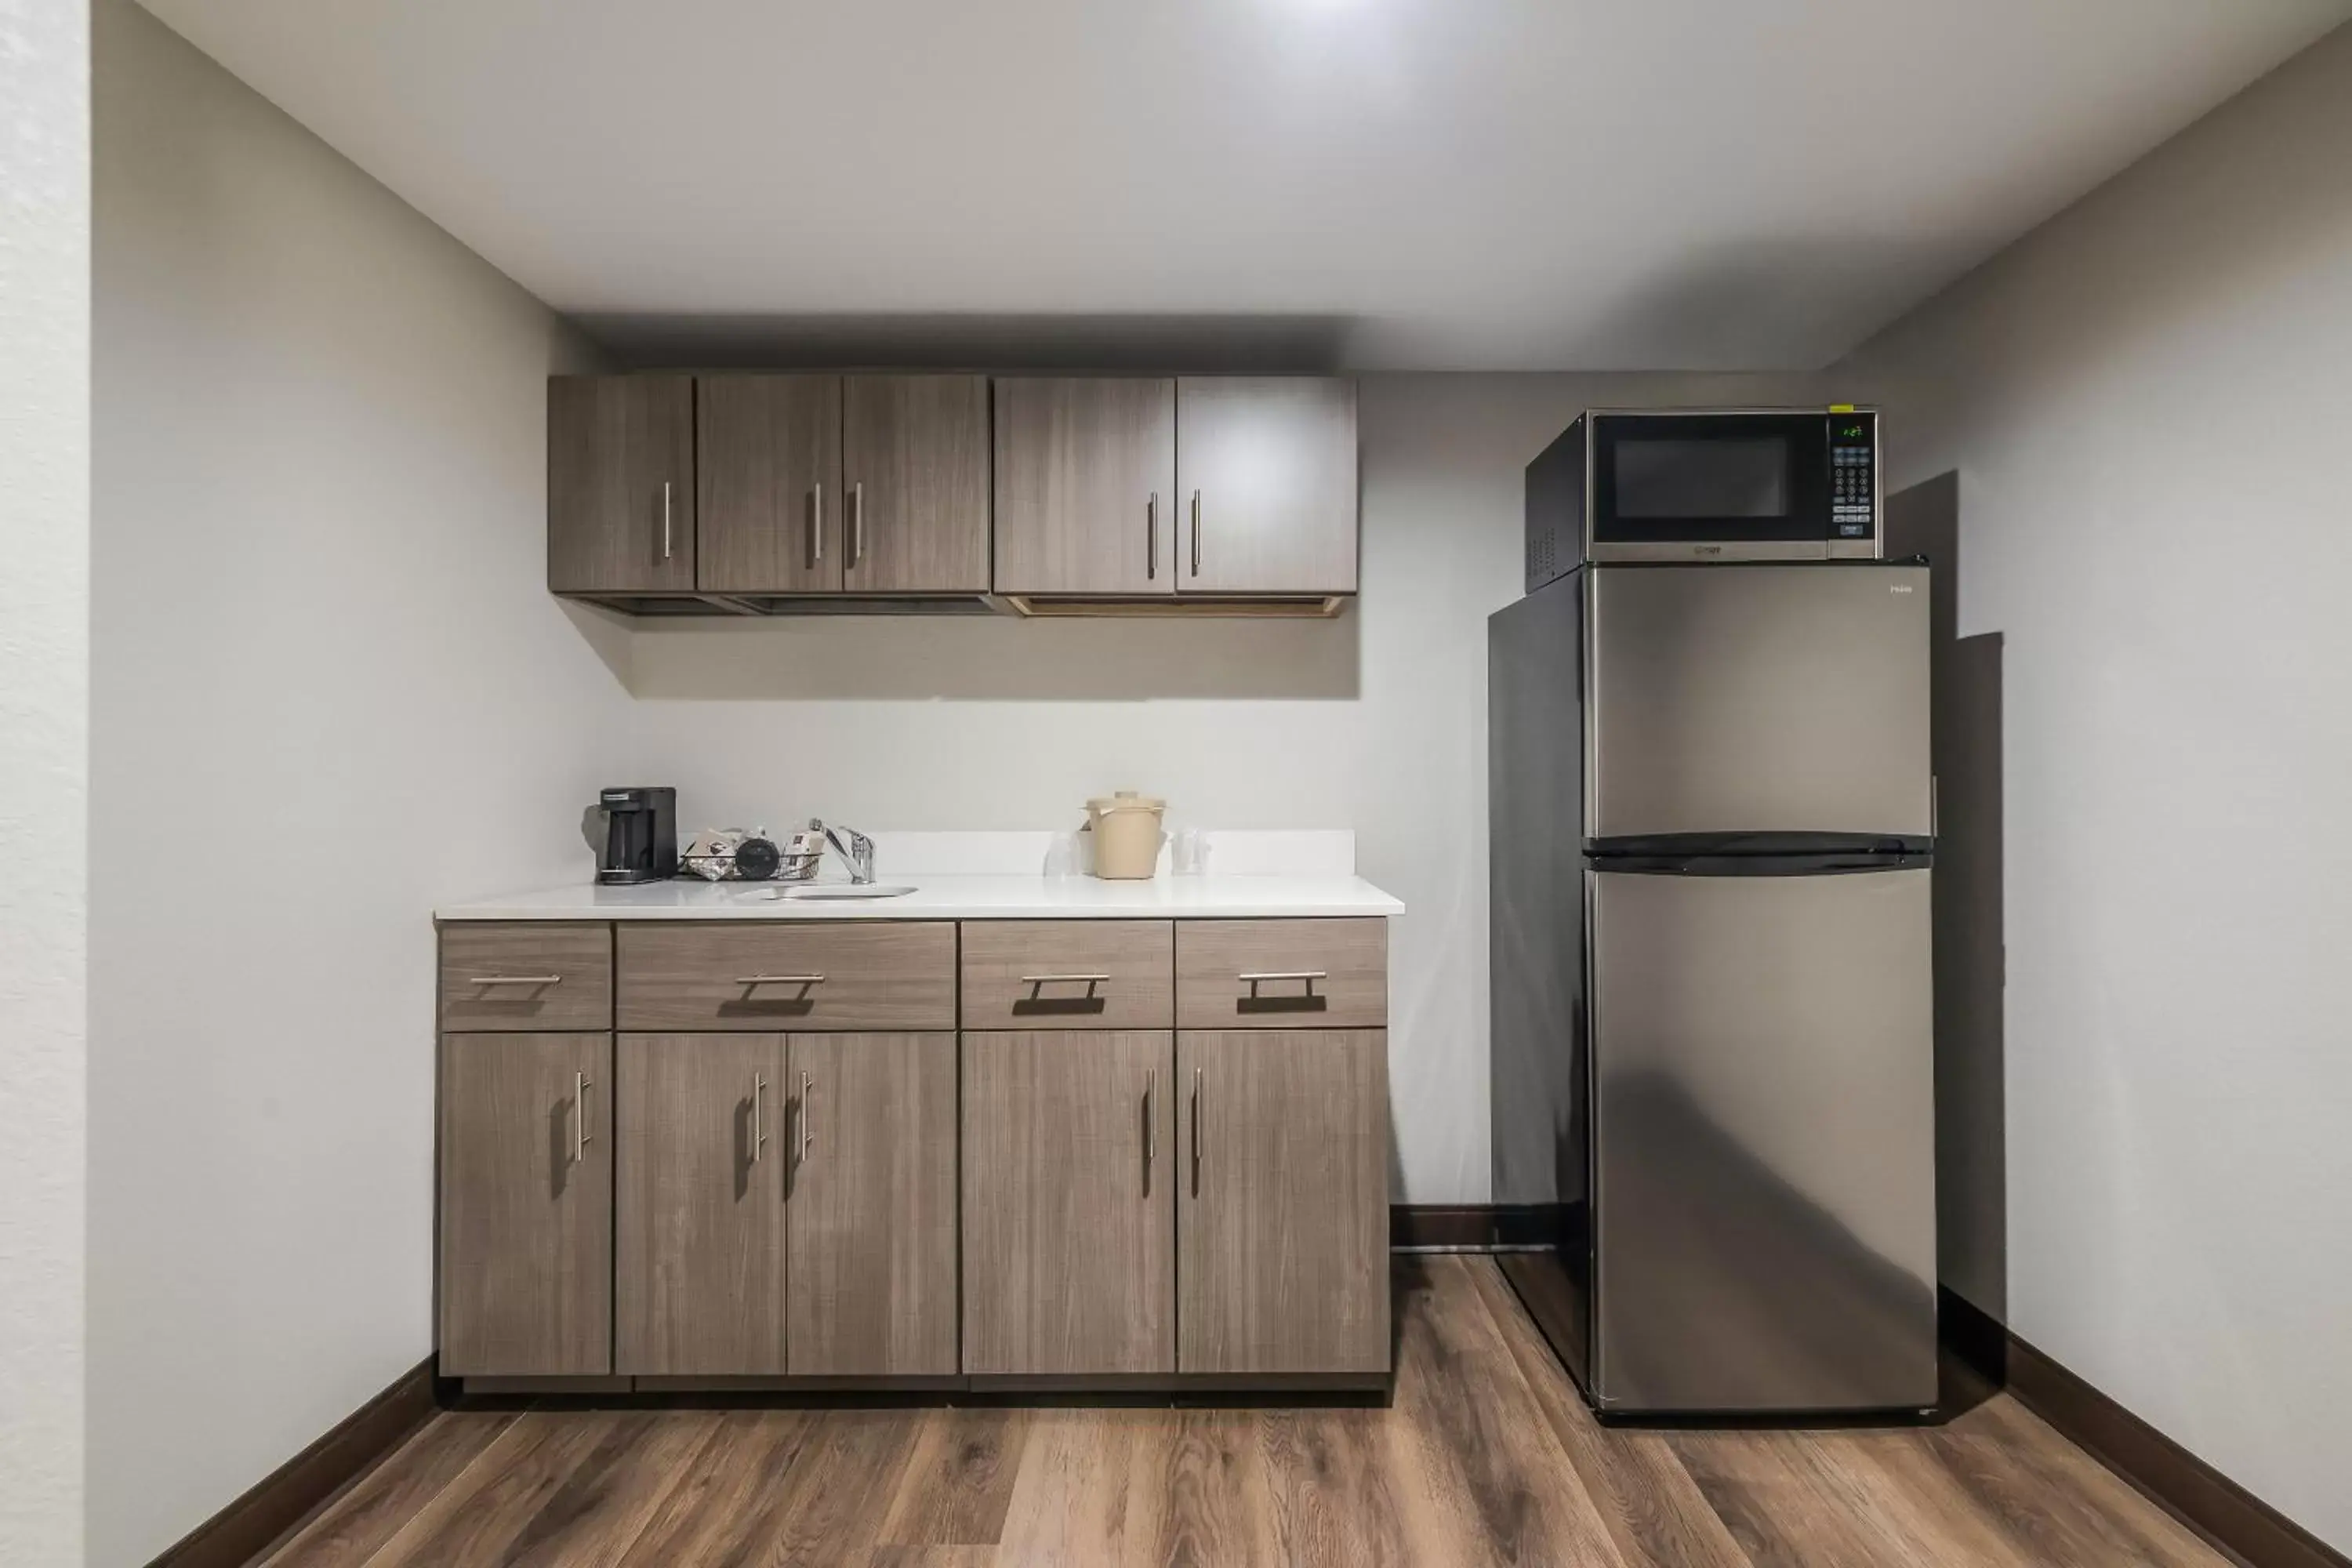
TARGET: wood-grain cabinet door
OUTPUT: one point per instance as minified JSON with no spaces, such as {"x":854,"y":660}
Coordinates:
{"x":1085,"y":483}
{"x":1266,"y":471}
{"x":620,"y":484}
{"x":1068,"y":1203}
{"x":1283,"y":1214}
{"x":873,"y":1274}
{"x":914,"y":456}
{"x":768,"y":476}
{"x":526,"y":1204}
{"x":700,"y":1204}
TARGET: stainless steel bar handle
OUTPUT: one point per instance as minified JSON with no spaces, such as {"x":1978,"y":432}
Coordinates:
{"x":1150,"y":1122}
{"x":857,"y":522}
{"x":516,"y":980}
{"x":579,"y":1139}
{"x":779,"y":980}
{"x":816,"y":525}
{"x":1152,"y":537}
{"x":1307,"y":976}
{"x":1065,"y":979}
{"x":807,"y":1137}
{"x":665,"y":520}
{"x":759,"y":1137}
{"x":1196,"y":533}
{"x":1196,"y":1133}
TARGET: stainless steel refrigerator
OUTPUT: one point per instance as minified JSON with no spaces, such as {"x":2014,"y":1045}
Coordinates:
{"x":1713,"y":828}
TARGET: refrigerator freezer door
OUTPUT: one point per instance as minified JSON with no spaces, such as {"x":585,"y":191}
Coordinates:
{"x":1764,"y":1124}
{"x":1757,"y":700}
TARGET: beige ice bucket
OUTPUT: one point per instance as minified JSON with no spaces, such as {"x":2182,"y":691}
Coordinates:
{"x":1127,"y":835}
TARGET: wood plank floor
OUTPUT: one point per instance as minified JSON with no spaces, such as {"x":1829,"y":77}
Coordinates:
{"x":1487,"y":1457}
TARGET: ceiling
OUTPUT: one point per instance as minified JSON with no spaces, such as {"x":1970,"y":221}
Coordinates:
{"x":1380,"y":183}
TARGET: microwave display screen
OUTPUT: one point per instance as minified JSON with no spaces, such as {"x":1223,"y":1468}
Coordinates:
{"x":1713,"y":478}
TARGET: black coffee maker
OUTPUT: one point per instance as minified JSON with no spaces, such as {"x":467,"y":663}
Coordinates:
{"x":640,"y":834}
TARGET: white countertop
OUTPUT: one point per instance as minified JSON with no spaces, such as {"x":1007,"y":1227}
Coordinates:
{"x":951,"y":898}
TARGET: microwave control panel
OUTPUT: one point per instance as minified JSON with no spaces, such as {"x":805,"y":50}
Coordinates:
{"x":1853,"y":474}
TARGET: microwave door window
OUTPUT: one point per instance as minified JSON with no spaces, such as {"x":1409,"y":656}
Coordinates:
{"x":1703,"y":479}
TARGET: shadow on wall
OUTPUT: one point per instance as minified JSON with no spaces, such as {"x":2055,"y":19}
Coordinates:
{"x":916,"y":659}
{"x":1972,"y":1142}
{"x":1300,"y":345}
{"x":1761,"y":304}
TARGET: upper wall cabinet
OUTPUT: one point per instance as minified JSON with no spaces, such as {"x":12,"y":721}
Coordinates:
{"x":1267,"y":466}
{"x":914,"y":456}
{"x":830,"y":484}
{"x":1085,"y":485}
{"x":620,"y":484}
{"x":1207,"y":487}
{"x":767,"y":484}
{"x":752,"y":493}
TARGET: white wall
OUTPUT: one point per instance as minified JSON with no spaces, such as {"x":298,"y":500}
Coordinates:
{"x":44,"y":770}
{"x":329,"y":691}
{"x":1376,"y":721}
{"x":2148,"y":402}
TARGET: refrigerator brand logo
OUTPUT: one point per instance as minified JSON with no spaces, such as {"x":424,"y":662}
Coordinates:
{"x":1708,"y":549}
{"x":1898,"y":587}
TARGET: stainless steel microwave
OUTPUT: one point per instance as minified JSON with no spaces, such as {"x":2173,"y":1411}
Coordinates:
{"x":1706,"y":484}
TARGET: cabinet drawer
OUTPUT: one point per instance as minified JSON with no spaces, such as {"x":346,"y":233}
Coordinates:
{"x":1282,"y":975}
{"x":864,"y":974}
{"x":1069,"y":975}
{"x":526,"y":977}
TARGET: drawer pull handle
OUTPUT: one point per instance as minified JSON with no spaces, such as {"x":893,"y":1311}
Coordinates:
{"x":1304,"y":976}
{"x":516,"y":980}
{"x":1037,"y":982}
{"x":748,"y":980}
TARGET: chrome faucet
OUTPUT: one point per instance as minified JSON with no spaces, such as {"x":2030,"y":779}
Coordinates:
{"x":853,"y":847}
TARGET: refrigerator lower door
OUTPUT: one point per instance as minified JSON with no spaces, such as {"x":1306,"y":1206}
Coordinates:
{"x":1768,"y":702}
{"x":1764,"y":1132}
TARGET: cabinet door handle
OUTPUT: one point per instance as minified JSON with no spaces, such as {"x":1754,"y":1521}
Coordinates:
{"x":1151,"y":1123}
{"x":816,"y":526}
{"x":1196,"y":533}
{"x":759,"y":1137}
{"x":1196,"y":1133}
{"x":1307,"y":977}
{"x":516,"y":980}
{"x":1151,"y":538}
{"x":581,"y":1085}
{"x":807,"y":1137}
{"x":857,"y":522}
{"x":665,"y":520}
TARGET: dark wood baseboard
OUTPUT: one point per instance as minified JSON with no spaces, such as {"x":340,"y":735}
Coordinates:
{"x":2185,"y":1486}
{"x":1441,"y":1225}
{"x":237,"y":1533}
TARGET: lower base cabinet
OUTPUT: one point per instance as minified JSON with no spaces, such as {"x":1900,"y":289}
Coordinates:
{"x":1069,"y":1204}
{"x":786,"y":1205}
{"x":1282,"y":1221}
{"x":872,"y":1281}
{"x":699,"y":1204}
{"x":1060,"y":1204}
{"x":526,"y":1123}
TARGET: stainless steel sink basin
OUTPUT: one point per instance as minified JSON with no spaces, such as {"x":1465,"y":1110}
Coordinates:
{"x":820,"y":891}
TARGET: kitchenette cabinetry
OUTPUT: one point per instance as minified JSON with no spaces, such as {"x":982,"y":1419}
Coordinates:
{"x":1213,"y":488}
{"x":787,"y":1164}
{"x":796,"y":492}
